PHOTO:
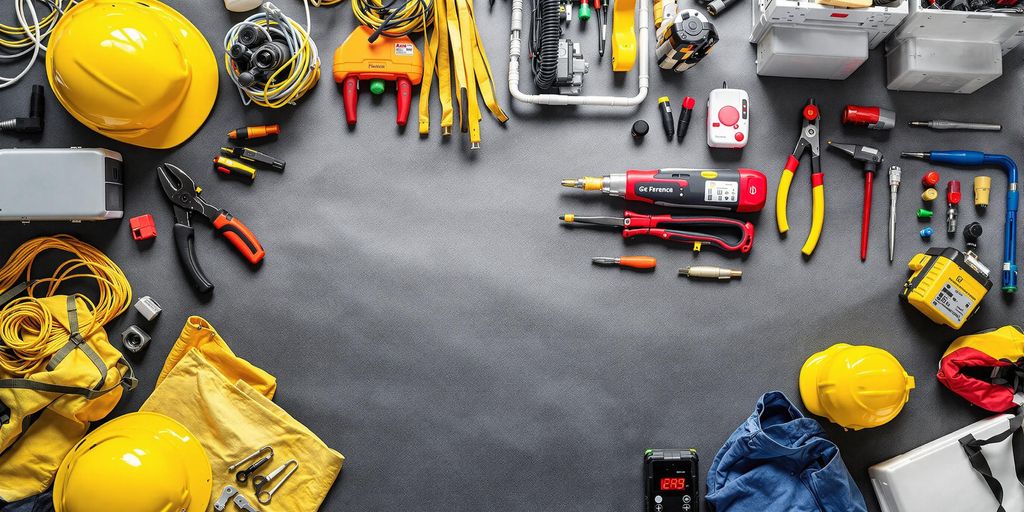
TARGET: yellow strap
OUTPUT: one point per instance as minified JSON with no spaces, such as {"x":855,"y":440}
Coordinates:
{"x":484,"y":75}
{"x":452,"y":18}
{"x":444,"y":59}
{"x":429,"y":58}
{"x":466,"y":34}
{"x":439,"y":60}
{"x":456,"y":43}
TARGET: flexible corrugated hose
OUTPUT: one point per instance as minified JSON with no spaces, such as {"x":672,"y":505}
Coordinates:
{"x":545,"y":34}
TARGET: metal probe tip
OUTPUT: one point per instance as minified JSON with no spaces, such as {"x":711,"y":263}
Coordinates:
{"x":572,"y":183}
{"x":922,"y":156}
{"x":917,"y":123}
{"x":604,"y":260}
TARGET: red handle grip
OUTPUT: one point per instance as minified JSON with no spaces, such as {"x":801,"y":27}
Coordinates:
{"x":404,"y":98}
{"x":350,"y":93}
{"x":239,"y":236}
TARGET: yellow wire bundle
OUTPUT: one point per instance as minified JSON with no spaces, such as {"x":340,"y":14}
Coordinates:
{"x":28,"y":333}
{"x":412,"y":16}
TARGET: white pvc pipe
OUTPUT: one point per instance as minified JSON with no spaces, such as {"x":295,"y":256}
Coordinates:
{"x":515,"y":49}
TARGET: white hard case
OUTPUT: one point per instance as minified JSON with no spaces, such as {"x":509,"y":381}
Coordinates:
{"x":937,"y":476}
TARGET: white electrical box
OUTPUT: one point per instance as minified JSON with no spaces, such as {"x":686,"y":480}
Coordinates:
{"x":807,"y":52}
{"x":930,"y":65}
{"x":950,"y":51}
{"x":937,"y":476}
{"x":804,"y":39}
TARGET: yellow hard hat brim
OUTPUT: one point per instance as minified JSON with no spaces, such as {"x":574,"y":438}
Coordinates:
{"x":809,"y":378}
{"x":195,"y":106}
{"x":200,"y":473}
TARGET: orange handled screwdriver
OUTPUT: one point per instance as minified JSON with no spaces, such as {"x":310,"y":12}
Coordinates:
{"x":638,"y":262}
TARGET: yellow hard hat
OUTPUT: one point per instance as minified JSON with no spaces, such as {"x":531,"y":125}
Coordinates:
{"x":136,"y":71}
{"x":855,"y":386}
{"x":139,"y":462}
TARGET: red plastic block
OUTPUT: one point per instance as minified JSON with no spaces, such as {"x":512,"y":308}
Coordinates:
{"x":143,"y":227}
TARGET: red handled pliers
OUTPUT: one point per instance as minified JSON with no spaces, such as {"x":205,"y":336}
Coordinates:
{"x":635,"y":224}
{"x":184,"y":194}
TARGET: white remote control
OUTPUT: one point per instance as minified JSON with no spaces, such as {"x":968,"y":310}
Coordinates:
{"x":728,"y":118}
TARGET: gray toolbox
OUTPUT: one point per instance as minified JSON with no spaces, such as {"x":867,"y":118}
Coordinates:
{"x":938,"y":477}
{"x":63,"y":184}
{"x":950,"y":51}
{"x":805,"y":39}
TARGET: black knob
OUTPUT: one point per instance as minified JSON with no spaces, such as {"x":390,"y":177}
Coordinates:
{"x":640,"y":129}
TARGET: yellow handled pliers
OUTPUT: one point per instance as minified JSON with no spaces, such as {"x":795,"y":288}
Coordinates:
{"x":808,"y":142}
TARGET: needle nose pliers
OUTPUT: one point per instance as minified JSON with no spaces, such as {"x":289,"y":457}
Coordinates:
{"x":636,"y":224}
{"x":809,"y":141}
{"x":184,"y":195}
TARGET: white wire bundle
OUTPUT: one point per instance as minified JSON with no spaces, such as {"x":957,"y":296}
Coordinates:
{"x":31,"y":32}
{"x":303,"y":68}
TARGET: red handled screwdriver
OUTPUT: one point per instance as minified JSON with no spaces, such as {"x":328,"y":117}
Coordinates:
{"x":742,"y":190}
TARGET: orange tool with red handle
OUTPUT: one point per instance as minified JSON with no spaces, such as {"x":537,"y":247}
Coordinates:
{"x":184,"y":194}
{"x":386,"y":59}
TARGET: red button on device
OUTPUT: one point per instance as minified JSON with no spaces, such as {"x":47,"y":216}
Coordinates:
{"x":728,"y":115}
{"x":739,"y":137}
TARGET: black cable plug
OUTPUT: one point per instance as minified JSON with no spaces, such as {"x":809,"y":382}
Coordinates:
{"x":31,"y":124}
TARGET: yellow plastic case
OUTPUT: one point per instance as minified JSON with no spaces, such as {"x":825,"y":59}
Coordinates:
{"x":623,"y":35}
{"x":946,"y":286}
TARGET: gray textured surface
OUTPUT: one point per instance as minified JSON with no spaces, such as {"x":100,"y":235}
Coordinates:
{"x":427,"y":316}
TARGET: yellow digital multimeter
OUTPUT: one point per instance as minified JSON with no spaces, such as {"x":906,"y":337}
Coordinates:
{"x":946,"y":285}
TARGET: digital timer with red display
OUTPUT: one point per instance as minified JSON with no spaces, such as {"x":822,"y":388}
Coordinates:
{"x":671,"y":481}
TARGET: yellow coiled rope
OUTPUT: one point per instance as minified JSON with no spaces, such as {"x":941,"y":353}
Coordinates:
{"x":28,"y":333}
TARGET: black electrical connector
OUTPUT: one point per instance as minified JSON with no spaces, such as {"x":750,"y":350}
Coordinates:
{"x":31,"y":124}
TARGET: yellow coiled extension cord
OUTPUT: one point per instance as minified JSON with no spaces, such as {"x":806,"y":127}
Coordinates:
{"x":28,"y":333}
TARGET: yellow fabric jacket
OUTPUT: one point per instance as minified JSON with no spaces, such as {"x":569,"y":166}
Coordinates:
{"x":225,"y":402}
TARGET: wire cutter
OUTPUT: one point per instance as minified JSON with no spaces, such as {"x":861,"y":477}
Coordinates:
{"x":183,"y":193}
{"x":808,"y":142}
{"x":635,"y":224}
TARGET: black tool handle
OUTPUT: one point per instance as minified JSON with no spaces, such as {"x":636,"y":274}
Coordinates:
{"x":185,"y":242}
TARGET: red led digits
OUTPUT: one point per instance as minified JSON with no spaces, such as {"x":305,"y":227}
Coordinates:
{"x":673,"y":484}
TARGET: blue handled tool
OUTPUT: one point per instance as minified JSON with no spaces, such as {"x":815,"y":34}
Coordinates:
{"x":978,"y":159}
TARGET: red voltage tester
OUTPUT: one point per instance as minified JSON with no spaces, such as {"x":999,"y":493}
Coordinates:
{"x":743,"y":190}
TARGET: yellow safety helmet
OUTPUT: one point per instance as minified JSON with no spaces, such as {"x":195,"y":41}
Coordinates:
{"x":136,"y":71}
{"x":139,"y":462}
{"x":855,"y":386}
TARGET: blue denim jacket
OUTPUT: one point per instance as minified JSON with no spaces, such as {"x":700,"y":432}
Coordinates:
{"x":39,"y":503}
{"x":779,"y":460}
